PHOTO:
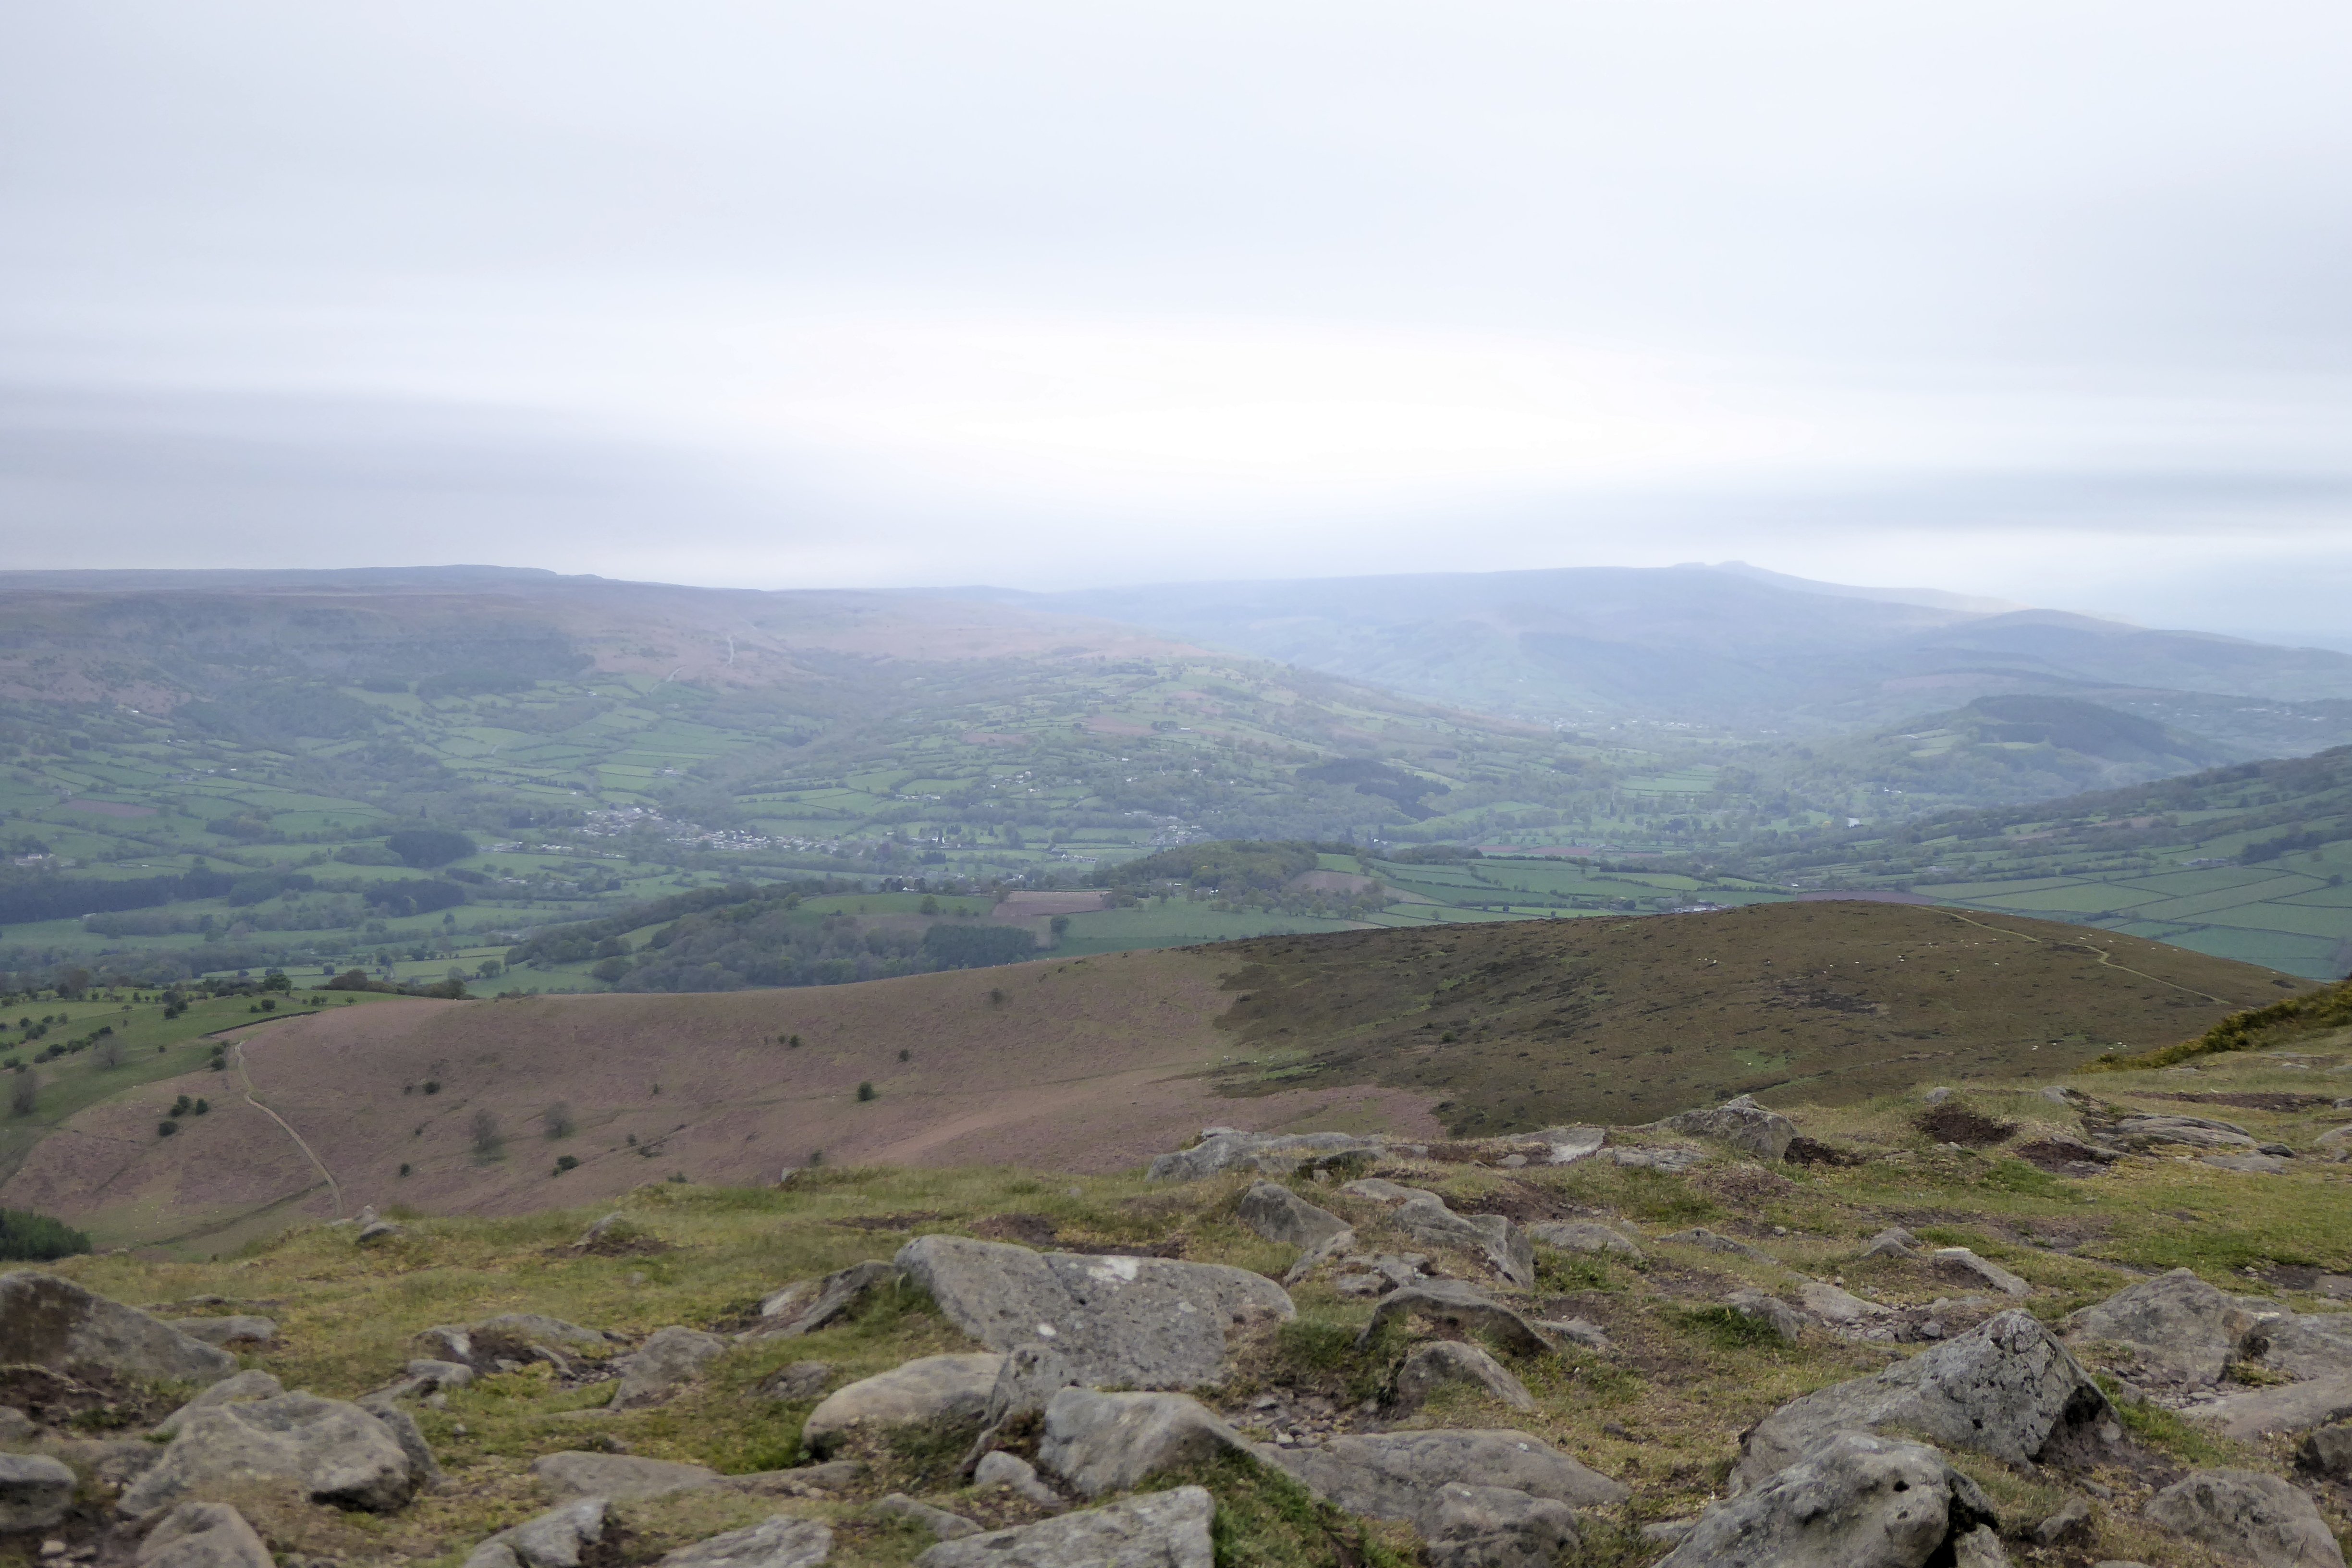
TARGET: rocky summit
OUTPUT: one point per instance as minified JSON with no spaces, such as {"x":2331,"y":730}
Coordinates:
{"x":2031,"y":1324}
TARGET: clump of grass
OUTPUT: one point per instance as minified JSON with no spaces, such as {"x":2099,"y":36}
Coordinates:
{"x":1727,"y":1327}
{"x":2166,"y":1431}
{"x":1322,"y":1354}
{"x":1265,"y":1520}
{"x":2024,"y":1180}
{"x":924,"y":1455}
{"x":1659,"y":1199}
{"x":1577,"y":1271}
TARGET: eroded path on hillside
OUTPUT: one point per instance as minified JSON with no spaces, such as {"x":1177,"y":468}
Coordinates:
{"x":237,"y":1056}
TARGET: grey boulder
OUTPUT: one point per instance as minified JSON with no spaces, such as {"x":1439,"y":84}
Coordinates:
{"x":2308,"y":1344}
{"x":1571,"y":1236}
{"x":1159,"y":1530}
{"x":202,"y":1535}
{"x":1785,"y":1324}
{"x":249,"y":1384}
{"x":34,"y":1491}
{"x":623,"y":1477}
{"x":782,"y":1542}
{"x":511,"y":1336}
{"x":1101,"y":1443}
{"x":1015,"y":1474}
{"x":2292,"y":1407}
{"x":809,"y":1305}
{"x":1311,"y":1258}
{"x":671,"y":1359}
{"x":1399,"y":1474}
{"x":1706,"y":1240}
{"x":945,"y":1388}
{"x":1840,"y":1308}
{"x":2247,"y":1514}
{"x":1425,"y":1217}
{"x":1855,"y":1502}
{"x":1456,"y":1305}
{"x":1672,"y":1158}
{"x":540,"y":1328}
{"x":1030,"y":1376}
{"x":1965,"y":1265}
{"x":55,"y":1323}
{"x":946,"y":1526}
{"x":2199,"y":1131}
{"x":1225,"y":1148}
{"x":1567,"y":1145}
{"x":1381,"y":1190}
{"x":1979,"y":1548}
{"x":1496,"y":1527}
{"x":424,"y":1376}
{"x":2006,"y":1388}
{"x":1742,"y":1123}
{"x":1448,"y":1363}
{"x":337,"y":1452}
{"x":1891,"y":1242}
{"x":800,"y":1380}
{"x":2327,"y":1452}
{"x":553,"y":1539}
{"x":2181,"y":1327}
{"x":1138,"y":1322}
{"x":1277,"y":1214}
{"x":408,"y":1435}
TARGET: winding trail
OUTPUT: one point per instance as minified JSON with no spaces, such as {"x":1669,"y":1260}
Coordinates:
{"x":238,"y":1053}
{"x":2106,"y":958}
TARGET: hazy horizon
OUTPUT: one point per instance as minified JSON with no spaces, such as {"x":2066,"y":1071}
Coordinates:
{"x":2036,"y":303}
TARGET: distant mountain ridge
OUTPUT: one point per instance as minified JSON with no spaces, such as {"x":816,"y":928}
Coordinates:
{"x":1721,"y":645}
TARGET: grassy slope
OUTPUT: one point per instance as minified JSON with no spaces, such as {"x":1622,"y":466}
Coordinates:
{"x":1098,"y":1063}
{"x":1663,"y":1412}
{"x":155,"y":1049}
{"x":1625,"y":1021}
{"x":2160,"y":861}
{"x":1094,"y":1063}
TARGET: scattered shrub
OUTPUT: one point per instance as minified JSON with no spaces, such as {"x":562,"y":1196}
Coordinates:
{"x":865,"y":1091}
{"x":27,"y":1237}
{"x":1732,"y":1329}
{"x":566,"y":1163}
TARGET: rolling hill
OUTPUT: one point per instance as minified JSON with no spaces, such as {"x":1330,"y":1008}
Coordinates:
{"x":2246,"y":862}
{"x":1098,"y":1063}
{"x":1725,"y":646}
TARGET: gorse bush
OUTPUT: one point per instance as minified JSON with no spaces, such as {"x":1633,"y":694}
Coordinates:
{"x":27,"y":1237}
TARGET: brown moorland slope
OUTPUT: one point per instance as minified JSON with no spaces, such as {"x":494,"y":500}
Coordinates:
{"x":1091,"y":1064}
{"x":1513,"y":1027}
{"x":1094,"y":1064}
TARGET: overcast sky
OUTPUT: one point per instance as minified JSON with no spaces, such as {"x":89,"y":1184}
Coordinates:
{"x":2044,"y":300}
